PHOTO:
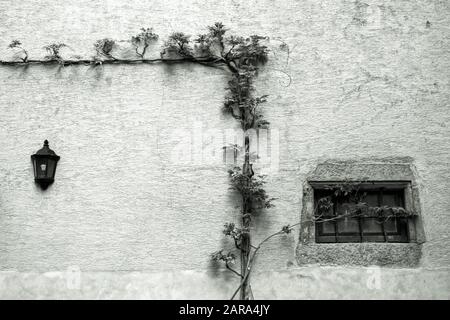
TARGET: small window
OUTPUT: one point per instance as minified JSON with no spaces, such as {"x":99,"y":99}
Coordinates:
{"x":361,"y":212}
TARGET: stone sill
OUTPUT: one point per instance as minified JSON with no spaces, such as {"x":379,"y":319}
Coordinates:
{"x":360,"y":254}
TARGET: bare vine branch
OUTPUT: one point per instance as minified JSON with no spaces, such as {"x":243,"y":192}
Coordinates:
{"x":242,"y":57}
{"x":232,"y":270}
{"x":286,"y":229}
{"x":143,"y":40}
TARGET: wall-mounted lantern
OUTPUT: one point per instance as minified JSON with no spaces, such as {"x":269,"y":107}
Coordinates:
{"x":44,"y":165}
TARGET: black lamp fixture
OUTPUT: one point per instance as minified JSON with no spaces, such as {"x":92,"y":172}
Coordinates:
{"x":44,"y":165}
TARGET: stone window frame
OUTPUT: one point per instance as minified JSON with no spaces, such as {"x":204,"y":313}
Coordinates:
{"x":382,"y":172}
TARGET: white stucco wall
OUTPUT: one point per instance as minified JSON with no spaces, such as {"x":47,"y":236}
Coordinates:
{"x":369,"y":80}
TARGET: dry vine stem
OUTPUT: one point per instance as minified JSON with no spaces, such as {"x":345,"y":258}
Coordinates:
{"x":242,"y":57}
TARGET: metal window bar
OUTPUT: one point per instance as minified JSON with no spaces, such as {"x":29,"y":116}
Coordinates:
{"x":380,"y":203}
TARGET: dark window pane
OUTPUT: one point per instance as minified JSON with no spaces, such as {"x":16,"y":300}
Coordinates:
{"x":391,"y":226}
{"x":371,"y":199}
{"x":390,"y":200}
{"x":348,"y":225}
{"x":344,"y":208}
{"x":372,"y":225}
{"x":328,"y":228}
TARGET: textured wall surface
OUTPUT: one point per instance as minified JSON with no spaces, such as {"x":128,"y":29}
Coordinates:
{"x":304,"y":283}
{"x":369,"y":79}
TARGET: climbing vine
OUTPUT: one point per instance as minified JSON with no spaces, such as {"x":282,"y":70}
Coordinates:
{"x":242,"y":57}
{"x":22,"y":54}
{"x":352,"y":195}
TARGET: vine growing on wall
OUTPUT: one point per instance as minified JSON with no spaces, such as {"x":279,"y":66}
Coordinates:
{"x":353,"y":196}
{"x":242,"y":57}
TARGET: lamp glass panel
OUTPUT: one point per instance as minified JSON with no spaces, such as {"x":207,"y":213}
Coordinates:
{"x":51,"y":164}
{"x":41,"y":163}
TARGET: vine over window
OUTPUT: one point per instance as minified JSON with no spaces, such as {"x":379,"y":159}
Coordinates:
{"x":361,"y":212}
